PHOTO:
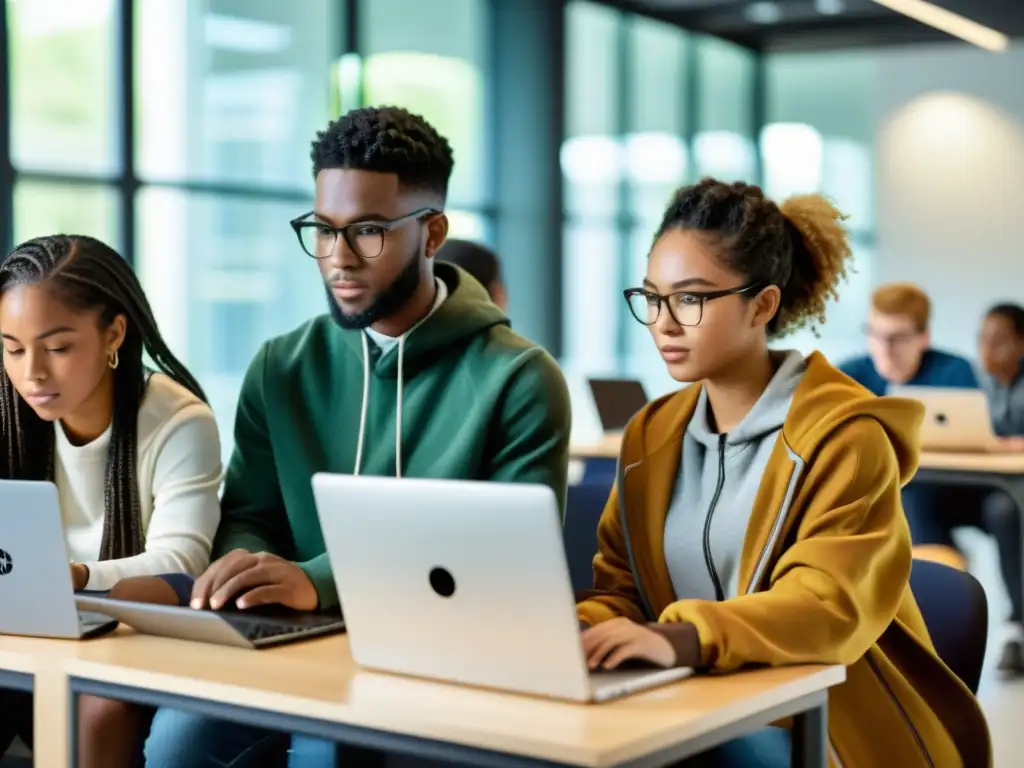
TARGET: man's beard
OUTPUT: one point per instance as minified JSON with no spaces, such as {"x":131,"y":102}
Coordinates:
{"x":388,"y":302}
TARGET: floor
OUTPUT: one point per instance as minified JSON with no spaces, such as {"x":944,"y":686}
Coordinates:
{"x":1003,"y":701}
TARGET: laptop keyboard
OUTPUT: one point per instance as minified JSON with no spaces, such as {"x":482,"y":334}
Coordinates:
{"x":257,"y":629}
{"x":90,"y":620}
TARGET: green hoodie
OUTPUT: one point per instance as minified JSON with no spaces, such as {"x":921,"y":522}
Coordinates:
{"x":473,"y":400}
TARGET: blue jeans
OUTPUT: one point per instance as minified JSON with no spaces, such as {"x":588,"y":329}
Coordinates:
{"x":933,"y":511}
{"x":185,"y":740}
{"x":767,"y":748}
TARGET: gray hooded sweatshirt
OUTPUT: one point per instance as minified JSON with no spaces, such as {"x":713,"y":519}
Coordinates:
{"x":719,"y":476}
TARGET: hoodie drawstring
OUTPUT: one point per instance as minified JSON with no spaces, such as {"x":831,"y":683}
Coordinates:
{"x":366,"y":404}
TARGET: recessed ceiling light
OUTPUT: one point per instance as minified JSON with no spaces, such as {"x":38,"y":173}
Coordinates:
{"x":763,"y":13}
{"x":829,"y":7}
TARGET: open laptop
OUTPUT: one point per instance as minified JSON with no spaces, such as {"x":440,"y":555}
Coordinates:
{"x":240,"y":629}
{"x":617,"y":401}
{"x":462,"y":581}
{"x":37,"y":597}
{"x":955,"y":419}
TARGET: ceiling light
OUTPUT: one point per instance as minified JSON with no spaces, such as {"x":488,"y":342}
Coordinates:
{"x":950,"y":23}
{"x":829,"y":7}
{"x":763,"y":13}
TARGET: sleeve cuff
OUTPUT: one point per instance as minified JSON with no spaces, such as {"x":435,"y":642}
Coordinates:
{"x":319,"y":572}
{"x":181,"y":583}
{"x":684,"y":639}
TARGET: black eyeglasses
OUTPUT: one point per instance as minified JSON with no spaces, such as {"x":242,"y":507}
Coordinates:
{"x":686,"y":308}
{"x":365,"y":238}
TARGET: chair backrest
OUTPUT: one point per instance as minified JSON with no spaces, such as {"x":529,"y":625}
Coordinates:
{"x":583,"y":508}
{"x":599,"y":471}
{"x":955,"y":611}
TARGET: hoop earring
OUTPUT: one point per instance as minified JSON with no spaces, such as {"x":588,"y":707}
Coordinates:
{"x":113,"y":360}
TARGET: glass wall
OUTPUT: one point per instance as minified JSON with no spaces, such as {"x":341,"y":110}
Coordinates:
{"x":819,"y":137}
{"x":202,"y":177}
{"x":228,"y":95}
{"x":592,"y":172}
{"x":649,"y":107}
{"x":196,"y":182}
{"x":434,"y":64}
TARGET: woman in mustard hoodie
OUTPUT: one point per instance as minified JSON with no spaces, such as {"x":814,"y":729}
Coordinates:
{"x":756,"y":516}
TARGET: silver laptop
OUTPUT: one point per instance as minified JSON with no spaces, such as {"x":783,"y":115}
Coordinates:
{"x":462,"y":581}
{"x":955,"y":419}
{"x":240,"y":629}
{"x":37,"y":596}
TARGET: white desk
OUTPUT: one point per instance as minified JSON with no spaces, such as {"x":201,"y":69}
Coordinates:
{"x":314,"y":688}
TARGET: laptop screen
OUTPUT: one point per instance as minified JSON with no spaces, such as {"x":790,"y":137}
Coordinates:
{"x":617,"y":400}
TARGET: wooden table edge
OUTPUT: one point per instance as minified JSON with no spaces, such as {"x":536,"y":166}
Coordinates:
{"x":340,"y":716}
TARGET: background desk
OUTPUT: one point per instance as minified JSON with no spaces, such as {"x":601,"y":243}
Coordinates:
{"x":1004,"y":471}
{"x":314,"y":688}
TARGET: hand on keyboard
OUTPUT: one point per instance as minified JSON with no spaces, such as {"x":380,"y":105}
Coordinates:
{"x":259,"y":579}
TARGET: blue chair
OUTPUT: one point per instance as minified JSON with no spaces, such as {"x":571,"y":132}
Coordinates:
{"x":955,"y":611}
{"x":583,"y":508}
{"x":599,"y":471}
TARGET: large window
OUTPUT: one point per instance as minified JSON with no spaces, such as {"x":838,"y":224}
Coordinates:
{"x":194,"y":173}
{"x":592,"y":169}
{"x":657,"y":161}
{"x":819,"y":137}
{"x":229,"y":93}
{"x":724,"y":146}
{"x":649,"y":107}
{"x":62,"y":75}
{"x":433,"y":64}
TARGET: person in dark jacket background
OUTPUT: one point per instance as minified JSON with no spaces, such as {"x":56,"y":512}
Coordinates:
{"x":481,"y":262}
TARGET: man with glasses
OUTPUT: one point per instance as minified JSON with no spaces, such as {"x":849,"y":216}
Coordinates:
{"x":900,"y":353}
{"x":899,"y":346}
{"x":413,"y":372}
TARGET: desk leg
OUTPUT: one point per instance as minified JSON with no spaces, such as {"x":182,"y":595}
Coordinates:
{"x":810,"y":738}
{"x":51,"y":703}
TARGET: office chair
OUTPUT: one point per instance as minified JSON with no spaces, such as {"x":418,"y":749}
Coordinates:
{"x":583,"y":508}
{"x":599,"y":471}
{"x":955,"y":611}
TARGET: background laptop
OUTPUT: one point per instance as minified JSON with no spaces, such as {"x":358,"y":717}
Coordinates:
{"x":955,"y":419}
{"x":462,"y":581}
{"x":617,"y":401}
{"x":241,"y":629}
{"x":37,"y":597}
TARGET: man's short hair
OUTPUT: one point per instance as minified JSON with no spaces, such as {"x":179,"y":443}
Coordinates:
{"x":480,"y":261}
{"x":1013,"y":313}
{"x":386,"y":140}
{"x":904,"y":299}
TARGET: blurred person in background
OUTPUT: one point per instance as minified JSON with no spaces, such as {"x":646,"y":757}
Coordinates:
{"x":481,"y":262}
{"x":1001,"y":351}
{"x":900,"y":351}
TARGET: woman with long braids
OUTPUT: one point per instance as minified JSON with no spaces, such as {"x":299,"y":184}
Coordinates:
{"x":134,"y":452}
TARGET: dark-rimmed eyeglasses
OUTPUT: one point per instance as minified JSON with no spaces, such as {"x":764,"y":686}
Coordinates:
{"x":686,"y":308}
{"x":364,"y":238}
{"x":900,"y":339}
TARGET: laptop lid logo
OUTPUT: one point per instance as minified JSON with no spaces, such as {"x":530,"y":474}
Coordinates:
{"x":442,"y":582}
{"x":6,"y":563}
